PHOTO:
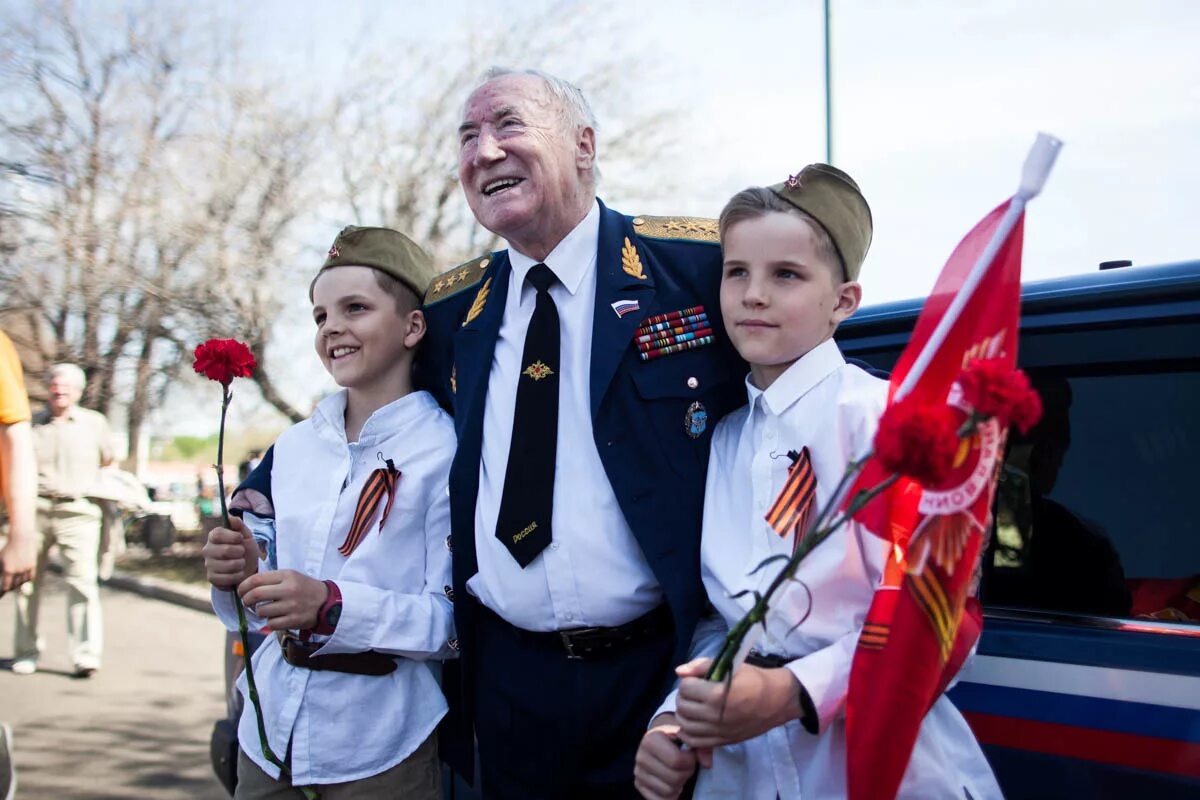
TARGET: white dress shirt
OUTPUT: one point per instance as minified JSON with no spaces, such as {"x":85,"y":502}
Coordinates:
{"x":593,"y":572}
{"x":394,"y":586}
{"x":832,"y":408}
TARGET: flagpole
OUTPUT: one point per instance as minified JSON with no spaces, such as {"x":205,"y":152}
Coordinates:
{"x":828,"y":92}
{"x":1033,"y":177}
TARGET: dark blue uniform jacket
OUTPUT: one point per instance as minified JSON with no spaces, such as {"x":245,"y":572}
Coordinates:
{"x":639,"y":408}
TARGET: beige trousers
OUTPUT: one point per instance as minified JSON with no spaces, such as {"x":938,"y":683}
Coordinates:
{"x":75,"y":528}
{"x":417,"y":777}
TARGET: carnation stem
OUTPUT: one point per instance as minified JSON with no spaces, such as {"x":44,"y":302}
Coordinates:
{"x":723,"y":664}
{"x":821,"y":530}
{"x":243,"y":627}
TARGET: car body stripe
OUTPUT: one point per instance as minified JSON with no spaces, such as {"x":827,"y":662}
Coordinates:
{"x":1127,"y":750}
{"x":1180,"y":691}
{"x":1139,"y":719}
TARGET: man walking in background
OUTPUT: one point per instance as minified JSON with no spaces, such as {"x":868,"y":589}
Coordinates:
{"x":71,"y":444}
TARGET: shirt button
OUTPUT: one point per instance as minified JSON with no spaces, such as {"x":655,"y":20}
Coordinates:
{"x":554,"y":546}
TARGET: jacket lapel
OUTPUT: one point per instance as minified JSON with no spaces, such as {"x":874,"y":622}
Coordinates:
{"x":474,"y":345}
{"x":617,"y":269}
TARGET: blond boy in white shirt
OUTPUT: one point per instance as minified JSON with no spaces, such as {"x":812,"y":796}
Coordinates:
{"x":360,"y":599}
{"x":792,"y":255}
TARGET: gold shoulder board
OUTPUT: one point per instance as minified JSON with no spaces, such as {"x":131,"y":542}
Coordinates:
{"x":453,"y":281}
{"x":696,"y":229}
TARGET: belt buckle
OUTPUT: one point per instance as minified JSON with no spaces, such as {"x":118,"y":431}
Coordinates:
{"x":569,"y":646}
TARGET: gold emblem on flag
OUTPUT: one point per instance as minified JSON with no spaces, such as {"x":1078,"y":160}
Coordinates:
{"x":477,"y":304}
{"x":537,"y":370}
{"x":630,"y":262}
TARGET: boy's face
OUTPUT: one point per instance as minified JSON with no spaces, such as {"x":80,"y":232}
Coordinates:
{"x":779,"y":296}
{"x":362,"y":340}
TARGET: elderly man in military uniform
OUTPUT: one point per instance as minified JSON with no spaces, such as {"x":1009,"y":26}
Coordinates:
{"x":585,"y":366}
{"x":71,"y":444}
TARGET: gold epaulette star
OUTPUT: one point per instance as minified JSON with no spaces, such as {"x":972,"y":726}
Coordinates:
{"x":696,"y":229}
{"x":452,"y":281}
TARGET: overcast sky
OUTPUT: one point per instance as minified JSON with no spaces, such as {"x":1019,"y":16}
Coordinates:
{"x":936,"y":103}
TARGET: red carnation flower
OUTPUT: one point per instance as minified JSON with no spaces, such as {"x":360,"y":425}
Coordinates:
{"x":1026,"y":413}
{"x":918,"y":441}
{"x":996,"y":390}
{"x":222,"y":360}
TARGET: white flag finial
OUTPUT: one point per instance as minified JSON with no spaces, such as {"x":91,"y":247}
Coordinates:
{"x":1038,"y":164}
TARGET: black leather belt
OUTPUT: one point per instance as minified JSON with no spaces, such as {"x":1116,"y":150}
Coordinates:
{"x":766,"y":660}
{"x":592,"y":643}
{"x":300,"y":654}
{"x":58,"y":498}
{"x":808,"y":717}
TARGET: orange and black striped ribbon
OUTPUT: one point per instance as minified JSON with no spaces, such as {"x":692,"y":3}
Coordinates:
{"x":790,"y":510}
{"x":379,"y":483}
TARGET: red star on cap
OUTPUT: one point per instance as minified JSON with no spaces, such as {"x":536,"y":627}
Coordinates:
{"x":793,"y":182}
{"x":333,"y":251}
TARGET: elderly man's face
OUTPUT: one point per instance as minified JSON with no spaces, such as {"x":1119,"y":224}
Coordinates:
{"x":525,"y":170}
{"x":63,"y":394}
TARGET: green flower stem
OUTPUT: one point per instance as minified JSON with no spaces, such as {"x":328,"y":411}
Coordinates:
{"x":722,"y":665}
{"x":243,"y":627}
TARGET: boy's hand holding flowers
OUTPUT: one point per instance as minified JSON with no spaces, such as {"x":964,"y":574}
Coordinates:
{"x":716,"y":713}
{"x":230,"y":556}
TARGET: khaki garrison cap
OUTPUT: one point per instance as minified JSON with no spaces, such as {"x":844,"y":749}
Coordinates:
{"x":832,"y":198}
{"x":384,"y":249}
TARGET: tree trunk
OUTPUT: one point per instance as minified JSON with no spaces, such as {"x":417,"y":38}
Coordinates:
{"x":269,"y":392}
{"x":139,"y":405}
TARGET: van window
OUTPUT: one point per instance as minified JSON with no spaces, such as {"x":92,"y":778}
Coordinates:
{"x":1097,"y":506}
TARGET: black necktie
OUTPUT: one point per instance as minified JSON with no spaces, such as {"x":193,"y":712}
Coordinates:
{"x":525,"y":507}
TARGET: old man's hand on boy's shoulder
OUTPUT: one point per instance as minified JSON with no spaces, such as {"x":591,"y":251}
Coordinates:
{"x":230,"y":556}
{"x":286,"y":599}
{"x":753,"y":702}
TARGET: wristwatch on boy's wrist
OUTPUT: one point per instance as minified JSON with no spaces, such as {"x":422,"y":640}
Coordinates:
{"x":330,"y":611}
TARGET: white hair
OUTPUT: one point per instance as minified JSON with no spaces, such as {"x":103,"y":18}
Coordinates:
{"x":575,"y":107}
{"x":71,"y":373}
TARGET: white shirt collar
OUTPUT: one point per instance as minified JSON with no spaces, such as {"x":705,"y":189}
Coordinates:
{"x":331,"y":412}
{"x":570,"y":260}
{"x":795,"y":382}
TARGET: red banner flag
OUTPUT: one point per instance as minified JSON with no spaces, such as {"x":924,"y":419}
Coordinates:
{"x":923,"y":620}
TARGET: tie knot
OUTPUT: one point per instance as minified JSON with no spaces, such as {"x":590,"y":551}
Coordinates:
{"x":541,"y":277}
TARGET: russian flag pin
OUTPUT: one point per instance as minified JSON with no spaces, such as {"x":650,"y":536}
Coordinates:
{"x":623,"y":307}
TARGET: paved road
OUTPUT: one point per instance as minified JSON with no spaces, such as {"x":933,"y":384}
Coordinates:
{"x":137,"y":729}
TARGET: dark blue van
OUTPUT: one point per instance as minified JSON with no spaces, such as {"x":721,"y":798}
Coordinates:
{"x":1086,"y":682}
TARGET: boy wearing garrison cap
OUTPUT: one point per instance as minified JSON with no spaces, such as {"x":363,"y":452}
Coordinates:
{"x":361,"y":593}
{"x":792,"y":255}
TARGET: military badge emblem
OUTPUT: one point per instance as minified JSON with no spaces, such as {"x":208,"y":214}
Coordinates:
{"x":538,"y":370}
{"x":793,"y":182}
{"x":333,"y":251}
{"x":695,"y":421}
{"x":477,"y":304}
{"x":630,"y":262}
